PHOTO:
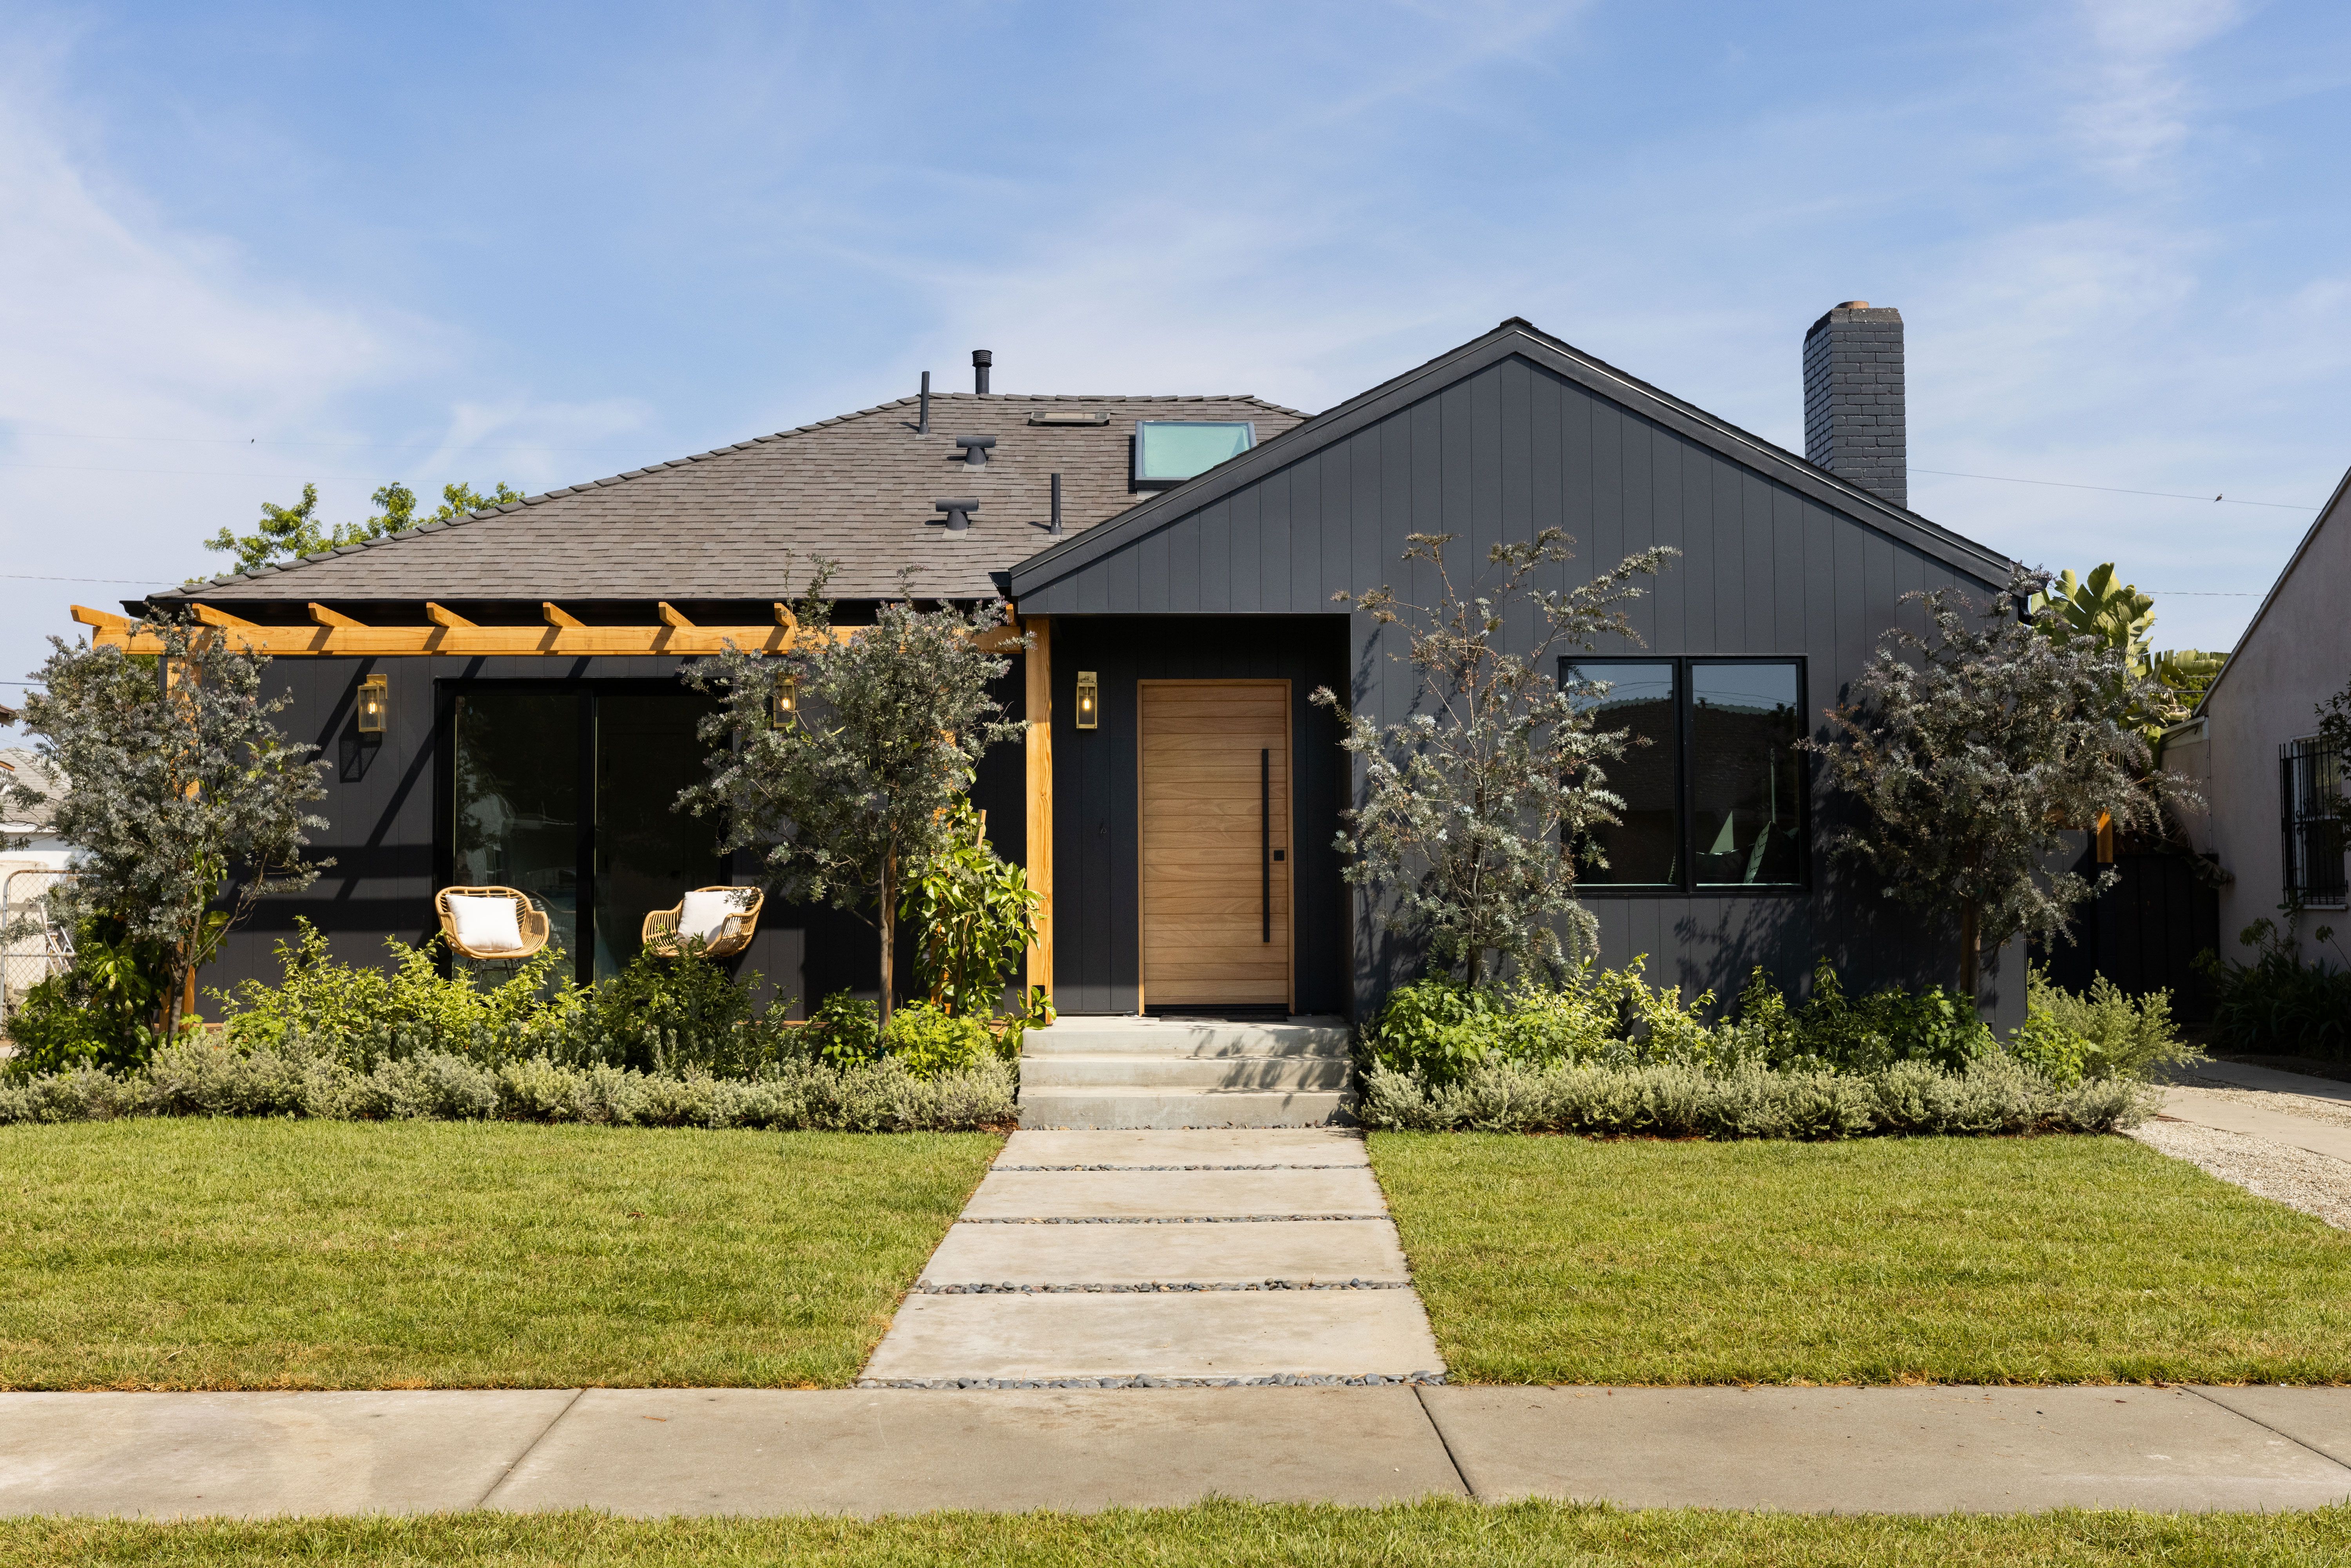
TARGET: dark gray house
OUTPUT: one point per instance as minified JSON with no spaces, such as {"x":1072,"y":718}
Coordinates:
{"x":1176,"y":560}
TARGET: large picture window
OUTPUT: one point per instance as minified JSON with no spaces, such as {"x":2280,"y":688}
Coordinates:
{"x":1712,"y":780}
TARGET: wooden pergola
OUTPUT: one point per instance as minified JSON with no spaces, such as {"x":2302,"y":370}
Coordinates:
{"x":333,"y":634}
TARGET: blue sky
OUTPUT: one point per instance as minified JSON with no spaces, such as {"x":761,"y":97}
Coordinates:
{"x":242,"y":245}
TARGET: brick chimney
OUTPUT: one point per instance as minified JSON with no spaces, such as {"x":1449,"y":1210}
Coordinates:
{"x":1854,"y":422}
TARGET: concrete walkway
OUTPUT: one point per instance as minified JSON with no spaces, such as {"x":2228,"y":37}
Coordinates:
{"x":1091,"y":1259}
{"x":874,"y":1451}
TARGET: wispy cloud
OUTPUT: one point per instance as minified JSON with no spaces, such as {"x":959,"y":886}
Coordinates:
{"x":2140,"y":99}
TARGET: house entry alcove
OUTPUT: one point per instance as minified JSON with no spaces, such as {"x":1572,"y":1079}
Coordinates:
{"x":1213,"y":779}
{"x":566,"y":795}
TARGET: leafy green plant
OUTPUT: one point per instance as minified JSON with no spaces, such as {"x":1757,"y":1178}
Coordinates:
{"x":928,"y":1041}
{"x":844,"y":1029}
{"x":975,"y":913}
{"x":1833,"y":1032}
{"x":2109,"y":1033}
{"x":1437,"y":1029}
{"x":346,"y":1006}
{"x":687,"y":1010}
{"x":2281,"y":1004}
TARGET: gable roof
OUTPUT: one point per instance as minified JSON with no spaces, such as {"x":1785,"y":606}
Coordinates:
{"x":2245,"y":638}
{"x":1519,"y":337}
{"x":744,"y":521}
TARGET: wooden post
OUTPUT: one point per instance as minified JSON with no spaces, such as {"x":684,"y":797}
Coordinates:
{"x":1037,"y":671}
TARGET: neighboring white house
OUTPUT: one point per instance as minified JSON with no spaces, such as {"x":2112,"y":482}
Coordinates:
{"x":2252,"y":746}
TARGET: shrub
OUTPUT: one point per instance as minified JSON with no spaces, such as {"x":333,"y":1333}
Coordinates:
{"x":97,"y":1013}
{"x":927,"y":1040}
{"x":359,"y":1011}
{"x":1437,"y":1029}
{"x":1996,"y":1095}
{"x":845,"y":1029}
{"x":208,"y":1075}
{"x":686,"y":1012}
{"x":976,"y":911}
{"x":1831,"y":1032}
{"x":2101,"y":1033}
{"x":2280,"y":1004}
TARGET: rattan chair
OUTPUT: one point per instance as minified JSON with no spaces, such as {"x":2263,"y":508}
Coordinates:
{"x":530,"y":919}
{"x":660,"y":933}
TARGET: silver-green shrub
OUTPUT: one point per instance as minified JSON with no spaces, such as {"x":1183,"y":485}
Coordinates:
{"x":200,"y":1075}
{"x":1993,"y":1096}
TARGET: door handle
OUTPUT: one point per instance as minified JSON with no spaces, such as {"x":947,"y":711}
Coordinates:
{"x":1265,"y":842}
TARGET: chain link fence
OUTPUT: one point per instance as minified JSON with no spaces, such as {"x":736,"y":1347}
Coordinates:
{"x":31,"y":947}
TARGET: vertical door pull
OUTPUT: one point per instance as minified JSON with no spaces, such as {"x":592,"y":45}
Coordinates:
{"x":1265,"y":842}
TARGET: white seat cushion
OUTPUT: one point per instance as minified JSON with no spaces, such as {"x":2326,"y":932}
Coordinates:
{"x":486,"y":924}
{"x":704,"y":915}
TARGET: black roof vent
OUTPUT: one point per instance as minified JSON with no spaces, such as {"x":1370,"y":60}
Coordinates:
{"x":975,"y":449}
{"x":958,"y":514}
{"x":981,"y":359}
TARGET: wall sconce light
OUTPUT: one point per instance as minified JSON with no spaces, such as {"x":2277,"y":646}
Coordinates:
{"x":787,"y":698}
{"x":375,"y":703}
{"x":1088,"y":700}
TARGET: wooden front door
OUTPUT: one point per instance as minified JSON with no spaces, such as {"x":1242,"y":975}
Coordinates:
{"x":1215,"y":787}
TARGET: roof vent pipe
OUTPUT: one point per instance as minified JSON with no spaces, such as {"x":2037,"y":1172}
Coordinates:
{"x":1056,"y":529}
{"x":981,"y":359}
{"x":975,"y":449}
{"x":922,"y":420}
{"x":958,"y":513}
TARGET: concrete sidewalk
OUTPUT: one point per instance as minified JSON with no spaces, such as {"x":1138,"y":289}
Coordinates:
{"x":874,"y":1451}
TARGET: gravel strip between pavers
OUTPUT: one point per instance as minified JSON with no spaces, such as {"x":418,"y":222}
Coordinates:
{"x":1278,"y":1380}
{"x":1162,"y":1289}
{"x":1354,"y":1165}
{"x":2310,"y":1107}
{"x":1167,"y":1219}
{"x":2262,"y":1167}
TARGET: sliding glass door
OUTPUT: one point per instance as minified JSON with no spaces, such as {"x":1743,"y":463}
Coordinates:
{"x":566,"y":796}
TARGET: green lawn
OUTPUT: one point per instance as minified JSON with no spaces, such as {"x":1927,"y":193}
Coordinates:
{"x":286,"y":1254}
{"x":2052,"y":1259}
{"x":1215,"y":1533}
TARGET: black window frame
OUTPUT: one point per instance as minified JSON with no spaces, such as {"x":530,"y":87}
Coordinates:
{"x":2310,"y":829}
{"x":1686,"y":784}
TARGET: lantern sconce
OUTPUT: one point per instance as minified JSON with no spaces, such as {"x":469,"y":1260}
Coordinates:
{"x":788,"y":698}
{"x":1088,"y":700}
{"x":375,"y":704}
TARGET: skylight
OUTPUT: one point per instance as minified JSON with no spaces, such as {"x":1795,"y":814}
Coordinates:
{"x":1168,"y":452}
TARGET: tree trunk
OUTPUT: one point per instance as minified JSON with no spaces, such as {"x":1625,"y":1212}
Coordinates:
{"x":1970,"y":940}
{"x":889,"y":930}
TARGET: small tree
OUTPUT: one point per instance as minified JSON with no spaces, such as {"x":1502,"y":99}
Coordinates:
{"x":849,"y":791}
{"x":183,"y":803}
{"x":1972,"y":749}
{"x":288,"y":533}
{"x":1477,"y":807}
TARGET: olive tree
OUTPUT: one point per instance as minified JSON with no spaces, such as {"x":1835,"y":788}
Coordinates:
{"x":1479,"y":806}
{"x":847,"y":788}
{"x":1971,"y":749}
{"x":185,"y":804}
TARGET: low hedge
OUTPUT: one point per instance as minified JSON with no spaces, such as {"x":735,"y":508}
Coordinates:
{"x":1993,"y":1096}
{"x":203,"y":1075}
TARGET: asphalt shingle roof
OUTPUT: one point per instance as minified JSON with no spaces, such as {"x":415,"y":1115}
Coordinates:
{"x":744,"y":521}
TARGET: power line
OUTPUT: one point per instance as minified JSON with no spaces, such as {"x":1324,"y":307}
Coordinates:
{"x":117,"y":581}
{"x":2111,"y":489}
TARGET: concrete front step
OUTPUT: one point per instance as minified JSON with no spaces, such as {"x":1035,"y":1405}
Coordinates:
{"x":1171,"y":1108}
{"x":1131,"y":1072}
{"x":1184,"y":1038}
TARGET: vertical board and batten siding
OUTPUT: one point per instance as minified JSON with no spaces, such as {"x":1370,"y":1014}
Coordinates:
{"x":388,"y":805}
{"x":1495,"y":457}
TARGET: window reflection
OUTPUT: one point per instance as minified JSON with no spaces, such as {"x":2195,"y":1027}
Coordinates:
{"x":1643,"y":849}
{"x":1745,"y":812}
{"x":518,"y":801}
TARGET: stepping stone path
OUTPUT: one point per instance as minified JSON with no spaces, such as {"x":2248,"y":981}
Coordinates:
{"x":1102,"y":1259}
